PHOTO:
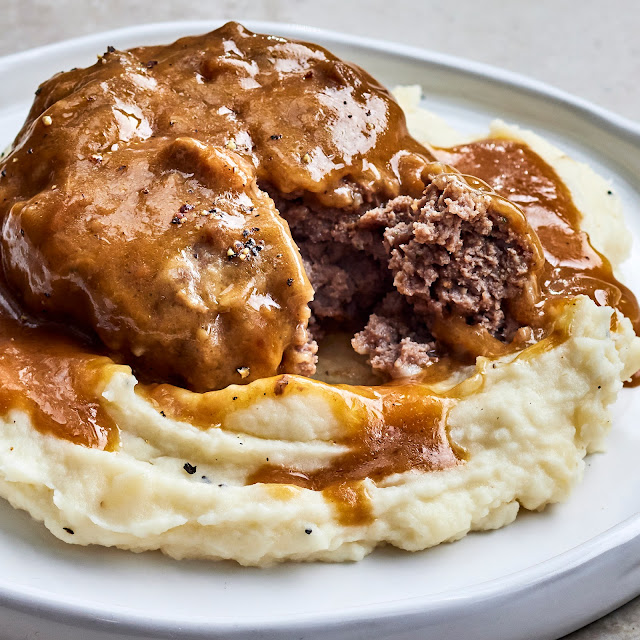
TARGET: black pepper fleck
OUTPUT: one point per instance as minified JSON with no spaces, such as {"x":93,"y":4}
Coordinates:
{"x":189,"y":468}
{"x":235,"y":397}
{"x":186,"y":207}
{"x":151,"y":64}
{"x":276,"y":136}
{"x":308,"y":531}
{"x":110,"y":49}
{"x":69,"y":531}
{"x":289,"y":281}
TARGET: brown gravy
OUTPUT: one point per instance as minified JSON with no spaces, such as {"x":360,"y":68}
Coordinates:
{"x":56,"y":377}
{"x":572,"y":265}
{"x":400,"y":428}
{"x":388,"y":429}
{"x":56,"y":380}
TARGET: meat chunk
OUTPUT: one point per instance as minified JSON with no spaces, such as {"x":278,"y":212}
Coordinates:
{"x":347,"y":284}
{"x":454,"y":253}
{"x":447,"y":270}
{"x":394,"y":343}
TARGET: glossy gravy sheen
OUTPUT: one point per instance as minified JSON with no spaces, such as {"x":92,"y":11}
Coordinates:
{"x":57,"y":378}
{"x":572,"y":265}
{"x":400,"y":428}
{"x":388,"y":429}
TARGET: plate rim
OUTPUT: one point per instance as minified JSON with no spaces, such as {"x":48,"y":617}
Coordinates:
{"x":486,"y":594}
{"x":516,"y":584}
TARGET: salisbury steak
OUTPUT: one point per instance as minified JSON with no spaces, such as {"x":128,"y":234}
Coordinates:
{"x":139,"y":204}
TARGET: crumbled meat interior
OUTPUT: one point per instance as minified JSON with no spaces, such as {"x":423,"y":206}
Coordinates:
{"x":396,"y":270}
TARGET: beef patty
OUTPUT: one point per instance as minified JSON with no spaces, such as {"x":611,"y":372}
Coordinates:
{"x":176,"y":200}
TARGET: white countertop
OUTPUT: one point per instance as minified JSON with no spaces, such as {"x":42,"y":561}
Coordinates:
{"x":587,"y":47}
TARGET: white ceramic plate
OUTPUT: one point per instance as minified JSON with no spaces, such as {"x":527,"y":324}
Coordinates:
{"x":542,"y":577}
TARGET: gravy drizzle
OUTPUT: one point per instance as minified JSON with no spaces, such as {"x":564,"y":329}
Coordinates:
{"x":56,"y":376}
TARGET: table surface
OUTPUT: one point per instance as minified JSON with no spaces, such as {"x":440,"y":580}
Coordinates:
{"x":586,"y":47}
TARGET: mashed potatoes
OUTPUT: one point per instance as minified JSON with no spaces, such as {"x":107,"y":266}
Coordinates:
{"x":525,"y":423}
